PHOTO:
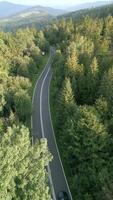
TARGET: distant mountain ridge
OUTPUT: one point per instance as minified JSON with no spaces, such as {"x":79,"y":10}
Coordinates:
{"x":13,"y":16}
{"x":94,"y":12}
{"x":49,"y":10}
{"x":7,"y":9}
{"x":89,"y":5}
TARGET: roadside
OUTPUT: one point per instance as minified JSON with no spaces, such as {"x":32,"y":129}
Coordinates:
{"x":54,"y":111}
{"x":33,"y":82}
{"x":40,"y":69}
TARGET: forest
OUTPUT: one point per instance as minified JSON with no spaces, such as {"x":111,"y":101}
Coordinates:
{"x":22,"y":162}
{"x":82,"y":100}
{"x":100,"y":12}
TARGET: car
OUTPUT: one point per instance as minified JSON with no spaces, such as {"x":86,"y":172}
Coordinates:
{"x":62,"y":195}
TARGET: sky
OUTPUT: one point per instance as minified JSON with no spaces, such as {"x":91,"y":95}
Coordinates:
{"x":52,"y":3}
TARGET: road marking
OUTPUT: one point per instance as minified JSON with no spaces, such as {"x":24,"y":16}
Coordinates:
{"x":48,"y":167}
{"x":43,"y":136}
{"x":32,"y":140}
{"x":42,"y":128}
{"x":56,"y":142}
{"x":40,"y":77}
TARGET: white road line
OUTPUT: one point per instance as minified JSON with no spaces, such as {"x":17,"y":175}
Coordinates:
{"x":56,"y":142}
{"x":40,"y":77}
{"x":48,"y":168}
{"x":42,"y":128}
{"x":35,"y":92}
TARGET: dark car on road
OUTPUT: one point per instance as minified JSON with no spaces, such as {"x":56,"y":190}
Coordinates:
{"x":63,"y":196}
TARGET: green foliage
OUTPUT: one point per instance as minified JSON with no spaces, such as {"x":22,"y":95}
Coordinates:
{"x":73,"y":67}
{"x":23,"y":174}
{"x":89,"y":143}
{"x":82,"y":102}
{"x":22,"y":103}
{"x":102,"y":107}
{"x":106,"y":89}
{"x":67,"y":93}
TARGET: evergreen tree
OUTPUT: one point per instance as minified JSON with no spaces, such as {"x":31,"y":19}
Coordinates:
{"x":67,"y":96}
{"x":73,"y":67}
{"x":22,"y":174}
{"x":106,"y":89}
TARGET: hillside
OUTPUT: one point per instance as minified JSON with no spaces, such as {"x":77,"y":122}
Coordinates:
{"x":22,"y":164}
{"x":89,"y":5}
{"x":7,"y":9}
{"x":49,"y":10}
{"x":82,"y":100}
{"x":102,"y":11}
{"x":36,"y":16}
{"x":26,"y":19}
{"x":15,"y":16}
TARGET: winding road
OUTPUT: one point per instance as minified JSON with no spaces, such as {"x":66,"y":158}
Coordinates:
{"x":42,"y":128}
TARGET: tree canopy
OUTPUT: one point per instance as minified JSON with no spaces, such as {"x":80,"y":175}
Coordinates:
{"x":23,"y":164}
{"x":82,"y":102}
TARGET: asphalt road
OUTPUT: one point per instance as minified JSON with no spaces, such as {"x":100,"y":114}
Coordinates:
{"x":42,"y":128}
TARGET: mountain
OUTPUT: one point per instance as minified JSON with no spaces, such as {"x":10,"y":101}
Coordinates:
{"x":31,"y":18}
{"x":49,"y":10}
{"x":7,"y":9}
{"x":37,"y":16}
{"x":99,"y":12}
{"x":89,"y":5}
{"x":15,"y":16}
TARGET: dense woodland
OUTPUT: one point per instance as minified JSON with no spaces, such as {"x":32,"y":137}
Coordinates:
{"x":22,"y":163}
{"x":100,"y":12}
{"x":82,"y":100}
{"x":81,"y":103}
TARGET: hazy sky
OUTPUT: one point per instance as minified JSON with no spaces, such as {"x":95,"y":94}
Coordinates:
{"x":54,"y":3}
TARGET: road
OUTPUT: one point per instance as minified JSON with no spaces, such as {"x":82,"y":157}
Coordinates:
{"x":42,"y":128}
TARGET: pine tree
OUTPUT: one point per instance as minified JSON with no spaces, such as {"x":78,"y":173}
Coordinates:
{"x":67,"y":96}
{"x":106,"y":89}
{"x":94,"y":67}
{"x":86,"y":149}
{"x":72,"y":65}
{"x":22,"y":166}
